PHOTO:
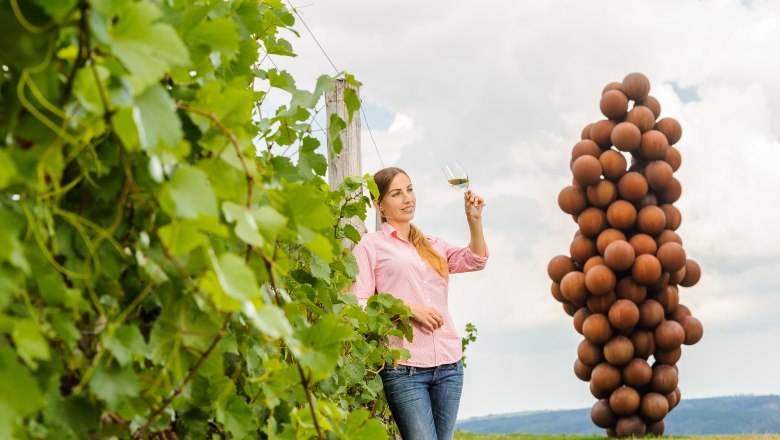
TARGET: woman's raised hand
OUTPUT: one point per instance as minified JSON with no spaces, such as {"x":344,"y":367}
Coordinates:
{"x":473,"y":204}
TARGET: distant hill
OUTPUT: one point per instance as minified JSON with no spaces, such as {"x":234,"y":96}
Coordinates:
{"x":715,"y":415}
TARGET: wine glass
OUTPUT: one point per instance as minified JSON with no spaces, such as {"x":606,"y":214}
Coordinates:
{"x":457,"y":176}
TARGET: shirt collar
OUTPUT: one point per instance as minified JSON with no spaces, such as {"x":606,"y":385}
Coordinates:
{"x":388,"y":229}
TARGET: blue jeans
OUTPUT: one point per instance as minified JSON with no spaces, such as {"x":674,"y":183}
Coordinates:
{"x":424,"y":401}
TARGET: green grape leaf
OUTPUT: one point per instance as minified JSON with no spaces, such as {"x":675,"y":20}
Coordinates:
{"x":7,"y":169}
{"x":270,"y":222}
{"x":20,"y":396}
{"x":30,"y":343}
{"x":155,"y":118}
{"x":66,"y":330}
{"x":334,"y":132}
{"x":181,"y":237}
{"x":309,"y":161}
{"x":127,"y":343}
{"x":220,"y":34}
{"x":235,"y":277}
{"x":56,"y":8}
{"x":351,"y":233}
{"x":190,"y":193}
{"x":270,"y":320}
{"x":360,"y":425}
{"x":352,"y":102}
{"x":246,"y":226}
{"x":237,"y":417}
{"x":322,"y":344}
{"x":113,"y":384}
{"x":10,"y":248}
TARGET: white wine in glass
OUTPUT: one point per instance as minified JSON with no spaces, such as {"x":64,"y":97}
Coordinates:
{"x":457,"y":176}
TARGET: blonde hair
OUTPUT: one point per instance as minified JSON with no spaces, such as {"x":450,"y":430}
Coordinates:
{"x":383,"y":178}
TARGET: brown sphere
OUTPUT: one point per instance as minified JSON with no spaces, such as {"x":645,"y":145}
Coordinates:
{"x":693,"y":330}
{"x":653,"y":104}
{"x":669,"y":335}
{"x":673,"y":216}
{"x":670,"y":128}
{"x":606,"y":237}
{"x":592,"y":262}
{"x":636,"y":86}
{"x":667,"y":236}
{"x":555,"y":289}
{"x":669,"y":298}
{"x":601,"y":414}
{"x":651,"y":220}
{"x":559,"y":266}
{"x":579,"y":318}
{"x":624,"y":314}
{"x":668,"y":357}
{"x":680,"y":312}
{"x":601,"y":303}
{"x":659,"y":175}
{"x":646,"y":269}
{"x":653,"y":145}
{"x":672,"y":256}
{"x":624,"y":401}
{"x":648,"y":200}
{"x":582,"y":371}
{"x":673,"y":158}
{"x":621,"y":214}
{"x":585,"y":134}
{"x":601,"y":132}
{"x":601,"y":194}
{"x":613,"y":164}
{"x":637,"y":373}
{"x":614,"y":104}
{"x":628,"y":289}
{"x":642,"y":117}
{"x":619,"y":255}
{"x":692,"y":274}
{"x":644,"y":343}
{"x":660,"y":284}
{"x":582,"y":248}
{"x":572,"y":199}
{"x":573,"y":287}
{"x":585,"y":147}
{"x":596,"y":329}
{"x":656,"y":428}
{"x":632,"y":426}
{"x":614,"y":85}
{"x":619,"y":350}
{"x":605,"y":378}
{"x":632,"y":186}
{"x":651,"y":313}
{"x":589,"y":353}
{"x":653,"y":407}
{"x":664,"y":379}
{"x":586,"y":170}
{"x":599,"y":394}
{"x":570,"y":308}
{"x":600,"y":280}
{"x":677,"y":277}
{"x":626,"y":136}
{"x":670,"y":194}
{"x":673,"y":398}
{"x":642,"y":243}
{"x":592,"y":221}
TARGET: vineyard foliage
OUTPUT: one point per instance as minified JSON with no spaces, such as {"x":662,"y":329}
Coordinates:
{"x":167,"y":270}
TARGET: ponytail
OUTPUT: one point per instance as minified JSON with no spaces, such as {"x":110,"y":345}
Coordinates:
{"x":427,"y":252}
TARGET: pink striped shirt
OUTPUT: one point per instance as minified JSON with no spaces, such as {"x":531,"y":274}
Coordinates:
{"x":389,"y":263}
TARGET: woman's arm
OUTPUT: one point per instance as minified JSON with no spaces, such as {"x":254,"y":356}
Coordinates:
{"x":473,"y":205}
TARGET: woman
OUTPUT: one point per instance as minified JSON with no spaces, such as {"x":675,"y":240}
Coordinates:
{"x":423,"y":391}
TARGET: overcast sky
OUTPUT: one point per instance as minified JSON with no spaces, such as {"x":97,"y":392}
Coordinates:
{"x":506,"y":87}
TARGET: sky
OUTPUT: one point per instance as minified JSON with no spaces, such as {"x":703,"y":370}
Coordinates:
{"x":506,"y":87}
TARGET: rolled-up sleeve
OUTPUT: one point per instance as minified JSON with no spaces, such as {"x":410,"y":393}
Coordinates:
{"x":365,"y":284}
{"x":463,"y":259}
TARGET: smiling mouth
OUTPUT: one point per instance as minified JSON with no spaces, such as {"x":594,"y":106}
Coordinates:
{"x":409,"y":209}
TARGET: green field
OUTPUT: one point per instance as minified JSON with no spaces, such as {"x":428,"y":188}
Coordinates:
{"x":468,"y":436}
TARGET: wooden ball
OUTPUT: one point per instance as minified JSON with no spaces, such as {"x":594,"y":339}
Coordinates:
{"x":624,"y":314}
{"x":606,"y":237}
{"x":585,"y":147}
{"x":585,"y":134}
{"x":656,"y":428}
{"x":598,"y":393}
{"x":670,"y":194}
{"x":619,"y":350}
{"x":673,"y":398}
{"x":612,"y":86}
{"x":589,"y":353}
{"x":592,"y":262}
{"x":643,"y":244}
{"x":592,"y":221}
{"x":692,"y":274}
{"x":586,"y":170}
{"x":572,"y":200}
{"x":664,"y":379}
{"x":672,"y":256}
{"x":559,"y":266}
{"x":660,"y":284}
{"x":579,"y":318}
{"x":677,"y":277}
{"x":601,"y":194}
{"x":637,"y":373}
{"x":582,"y":248}
{"x":628,"y":289}
{"x":632,"y":186}
{"x":680,"y":312}
{"x":668,"y":236}
{"x":570,"y":308}
{"x":601,"y":414}
{"x":659,"y":175}
{"x":668,"y":357}
{"x":653,"y":407}
{"x":642,"y":117}
{"x":669,"y":298}
{"x":673,"y":158}
{"x":601,"y":132}
{"x":613,"y":164}
{"x":619,"y":255}
{"x":673,"y":216}
{"x":600,"y":280}
{"x":614,"y":104}
{"x":631,"y":426}
{"x":621,"y":214}
{"x":596,"y":329}
{"x":605,"y":378}
{"x":644,"y":343}
{"x":648,"y":200}
{"x":646,"y":269}
{"x":624,"y":401}
{"x":653,"y":145}
{"x":651,"y":103}
{"x":555,"y":289}
{"x":669,"y":335}
{"x":582,"y":371}
{"x":693,"y":330}
{"x":670,"y":128}
{"x":651,"y":313}
{"x":636,"y":86}
{"x":573,"y":287}
{"x":601,"y":303}
{"x":651,"y":220}
{"x":626,"y":136}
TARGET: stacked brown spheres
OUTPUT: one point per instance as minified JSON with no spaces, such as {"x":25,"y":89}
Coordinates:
{"x":621,"y":280}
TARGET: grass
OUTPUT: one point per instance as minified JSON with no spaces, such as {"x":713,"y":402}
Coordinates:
{"x":469,"y":436}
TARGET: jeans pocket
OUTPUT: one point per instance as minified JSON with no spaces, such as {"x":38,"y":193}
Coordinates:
{"x":391,"y":372}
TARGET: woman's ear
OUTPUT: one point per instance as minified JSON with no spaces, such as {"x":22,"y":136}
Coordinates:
{"x":376,"y":205}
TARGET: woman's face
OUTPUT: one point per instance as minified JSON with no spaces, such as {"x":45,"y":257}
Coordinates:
{"x":398,"y":203}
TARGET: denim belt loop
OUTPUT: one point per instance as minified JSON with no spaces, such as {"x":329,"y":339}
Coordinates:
{"x":412,"y":370}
